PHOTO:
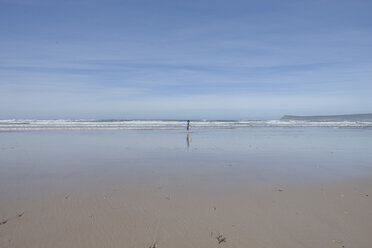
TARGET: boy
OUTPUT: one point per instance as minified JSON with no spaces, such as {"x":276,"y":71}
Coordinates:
{"x":188,"y":126}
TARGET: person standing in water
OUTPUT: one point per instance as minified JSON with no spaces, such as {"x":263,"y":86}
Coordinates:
{"x":188,"y":126}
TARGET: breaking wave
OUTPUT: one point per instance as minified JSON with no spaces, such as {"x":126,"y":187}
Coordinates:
{"x":166,"y":124}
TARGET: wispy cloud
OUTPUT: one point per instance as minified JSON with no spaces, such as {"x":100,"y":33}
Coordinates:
{"x":142,"y":56}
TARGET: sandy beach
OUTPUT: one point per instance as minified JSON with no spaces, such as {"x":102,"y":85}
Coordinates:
{"x":185,"y":124}
{"x":216,"y":188}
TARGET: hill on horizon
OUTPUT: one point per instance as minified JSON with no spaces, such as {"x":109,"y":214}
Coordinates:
{"x":348,"y":117}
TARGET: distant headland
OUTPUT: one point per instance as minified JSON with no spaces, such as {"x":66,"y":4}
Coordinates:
{"x":352,"y":117}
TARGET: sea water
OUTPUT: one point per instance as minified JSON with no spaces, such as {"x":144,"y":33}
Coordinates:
{"x":167,"y":124}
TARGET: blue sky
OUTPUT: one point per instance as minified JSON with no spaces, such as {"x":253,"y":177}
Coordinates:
{"x":184,"y":59}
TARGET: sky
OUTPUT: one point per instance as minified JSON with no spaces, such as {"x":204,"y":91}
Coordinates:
{"x":173,"y":59}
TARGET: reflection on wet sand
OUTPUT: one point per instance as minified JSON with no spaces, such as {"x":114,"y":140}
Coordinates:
{"x":188,"y":139}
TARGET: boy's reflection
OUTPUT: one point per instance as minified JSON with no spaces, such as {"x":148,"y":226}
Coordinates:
{"x":188,"y":139}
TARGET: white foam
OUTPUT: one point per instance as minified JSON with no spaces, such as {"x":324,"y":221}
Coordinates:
{"x":165,"y":124}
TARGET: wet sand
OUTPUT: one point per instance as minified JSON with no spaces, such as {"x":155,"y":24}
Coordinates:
{"x":216,"y":188}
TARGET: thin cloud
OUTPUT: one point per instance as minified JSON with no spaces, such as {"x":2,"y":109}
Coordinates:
{"x":124,"y":55}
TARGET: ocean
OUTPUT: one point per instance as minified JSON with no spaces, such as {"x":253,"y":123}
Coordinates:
{"x":12,"y":125}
